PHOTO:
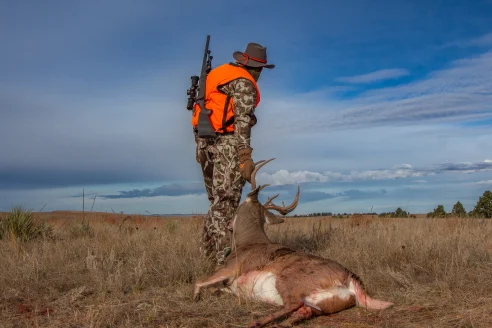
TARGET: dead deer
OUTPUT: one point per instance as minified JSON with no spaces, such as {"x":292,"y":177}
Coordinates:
{"x":257,"y":269}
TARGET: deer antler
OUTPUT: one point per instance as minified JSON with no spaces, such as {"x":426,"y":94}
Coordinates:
{"x":253,"y":182}
{"x":268,"y":204}
{"x":282,"y":209}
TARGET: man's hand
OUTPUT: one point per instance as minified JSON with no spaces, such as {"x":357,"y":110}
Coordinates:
{"x":246,"y":165}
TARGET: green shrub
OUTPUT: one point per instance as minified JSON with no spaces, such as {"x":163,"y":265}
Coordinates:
{"x":20,"y":224}
{"x":483,"y":208}
{"x":438,"y":212}
{"x":80,"y":230}
{"x":172,"y":226}
{"x":458,"y":210}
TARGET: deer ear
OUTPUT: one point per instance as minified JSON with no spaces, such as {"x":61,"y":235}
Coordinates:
{"x":271,"y":218}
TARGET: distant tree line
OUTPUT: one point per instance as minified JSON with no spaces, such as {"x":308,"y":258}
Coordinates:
{"x":398,"y":213}
{"x":313,"y":214}
{"x":483,"y":209}
{"x":337,"y":215}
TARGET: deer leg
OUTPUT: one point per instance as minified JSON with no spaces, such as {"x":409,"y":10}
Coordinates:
{"x":263,"y":321}
{"x":220,"y":276}
{"x":305,"y":312}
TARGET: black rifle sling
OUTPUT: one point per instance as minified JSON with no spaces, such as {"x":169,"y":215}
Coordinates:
{"x":226,"y":123}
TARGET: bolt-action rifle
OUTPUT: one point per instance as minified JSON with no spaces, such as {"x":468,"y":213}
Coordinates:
{"x":198,"y":84}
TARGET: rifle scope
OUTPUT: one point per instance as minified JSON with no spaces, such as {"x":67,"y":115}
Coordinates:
{"x":191,"y":92}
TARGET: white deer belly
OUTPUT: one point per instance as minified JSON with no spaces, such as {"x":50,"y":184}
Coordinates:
{"x":321,"y":295}
{"x":258,"y":286}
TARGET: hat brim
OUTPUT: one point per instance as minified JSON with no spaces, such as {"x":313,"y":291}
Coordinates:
{"x":238,"y":56}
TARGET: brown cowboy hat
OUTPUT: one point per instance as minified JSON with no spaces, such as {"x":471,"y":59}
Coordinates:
{"x":254,"y":56}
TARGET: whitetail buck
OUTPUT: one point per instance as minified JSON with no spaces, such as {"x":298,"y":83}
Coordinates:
{"x":259,"y":270}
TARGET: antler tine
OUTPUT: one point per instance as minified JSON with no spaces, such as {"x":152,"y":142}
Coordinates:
{"x":283,"y":209}
{"x":263,"y":186}
{"x":269,"y":201}
{"x":253,"y":174}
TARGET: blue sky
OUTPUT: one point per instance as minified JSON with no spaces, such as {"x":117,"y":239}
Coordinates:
{"x":372,"y":104}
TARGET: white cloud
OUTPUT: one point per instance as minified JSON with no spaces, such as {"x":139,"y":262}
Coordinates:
{"x":484,"y":40}
{"x":402,"y":166}
{"x":481,"y":41}
{"x":484,"y":182}
{"x":284,"y":177}
{"x":384,"y":74}
{"x":387,"y":174}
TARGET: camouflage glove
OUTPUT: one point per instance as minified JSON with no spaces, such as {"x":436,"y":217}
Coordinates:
{"x":253,"y":120}
{"x":246,"y":165}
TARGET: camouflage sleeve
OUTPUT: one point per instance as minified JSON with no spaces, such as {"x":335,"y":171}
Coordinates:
{"x":243,"y":94}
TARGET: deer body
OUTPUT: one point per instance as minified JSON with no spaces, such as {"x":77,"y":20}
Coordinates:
{"x":259,"y":270}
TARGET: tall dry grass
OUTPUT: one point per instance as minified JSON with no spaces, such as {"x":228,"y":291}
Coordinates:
{"x":134,"y":271}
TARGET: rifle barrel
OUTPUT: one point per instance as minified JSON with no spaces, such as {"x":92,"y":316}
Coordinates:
{"x":205,"y":54}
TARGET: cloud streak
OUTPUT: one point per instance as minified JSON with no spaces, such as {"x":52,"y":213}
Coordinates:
{"x":308,"y":196}
{"x":482,"y":41}
{"x":460,"y":92}
{"x":284,"y":177}
{"x":377,"y":76}
{"x":165,"y":190}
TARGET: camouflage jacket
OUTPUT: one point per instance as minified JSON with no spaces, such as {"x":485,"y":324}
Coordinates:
{"x":243,"y":94}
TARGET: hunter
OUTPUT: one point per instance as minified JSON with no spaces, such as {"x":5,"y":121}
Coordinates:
{"x":232,"y":96}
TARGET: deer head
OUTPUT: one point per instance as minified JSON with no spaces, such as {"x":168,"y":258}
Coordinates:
{"x":251,"y":215}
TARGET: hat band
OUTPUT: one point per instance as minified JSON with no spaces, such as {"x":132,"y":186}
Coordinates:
{"x":247,"y":57}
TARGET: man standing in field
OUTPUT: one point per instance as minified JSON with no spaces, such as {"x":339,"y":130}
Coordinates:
{"x":232,"y":95}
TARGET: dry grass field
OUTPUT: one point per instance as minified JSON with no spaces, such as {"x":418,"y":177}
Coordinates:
{"x":138,"y":271}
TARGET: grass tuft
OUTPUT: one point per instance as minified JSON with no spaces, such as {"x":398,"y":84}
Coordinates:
{"x":81,"y":230}
{"x":20,"y":225}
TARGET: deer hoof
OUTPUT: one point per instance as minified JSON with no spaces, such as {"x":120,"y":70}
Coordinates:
{"x":196,"y":296}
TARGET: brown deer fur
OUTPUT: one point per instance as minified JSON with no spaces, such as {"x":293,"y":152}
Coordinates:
{"x":257,"y":269}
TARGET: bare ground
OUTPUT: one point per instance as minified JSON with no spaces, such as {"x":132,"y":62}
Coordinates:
{"x":136,"y":271}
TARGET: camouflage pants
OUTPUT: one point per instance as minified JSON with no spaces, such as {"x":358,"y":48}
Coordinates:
{"x":220,"y":167}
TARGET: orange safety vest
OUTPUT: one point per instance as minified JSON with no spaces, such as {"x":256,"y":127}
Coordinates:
{"x":216,"y":101}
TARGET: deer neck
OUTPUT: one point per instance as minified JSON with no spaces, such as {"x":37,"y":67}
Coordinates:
{"x":247,"y":232}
